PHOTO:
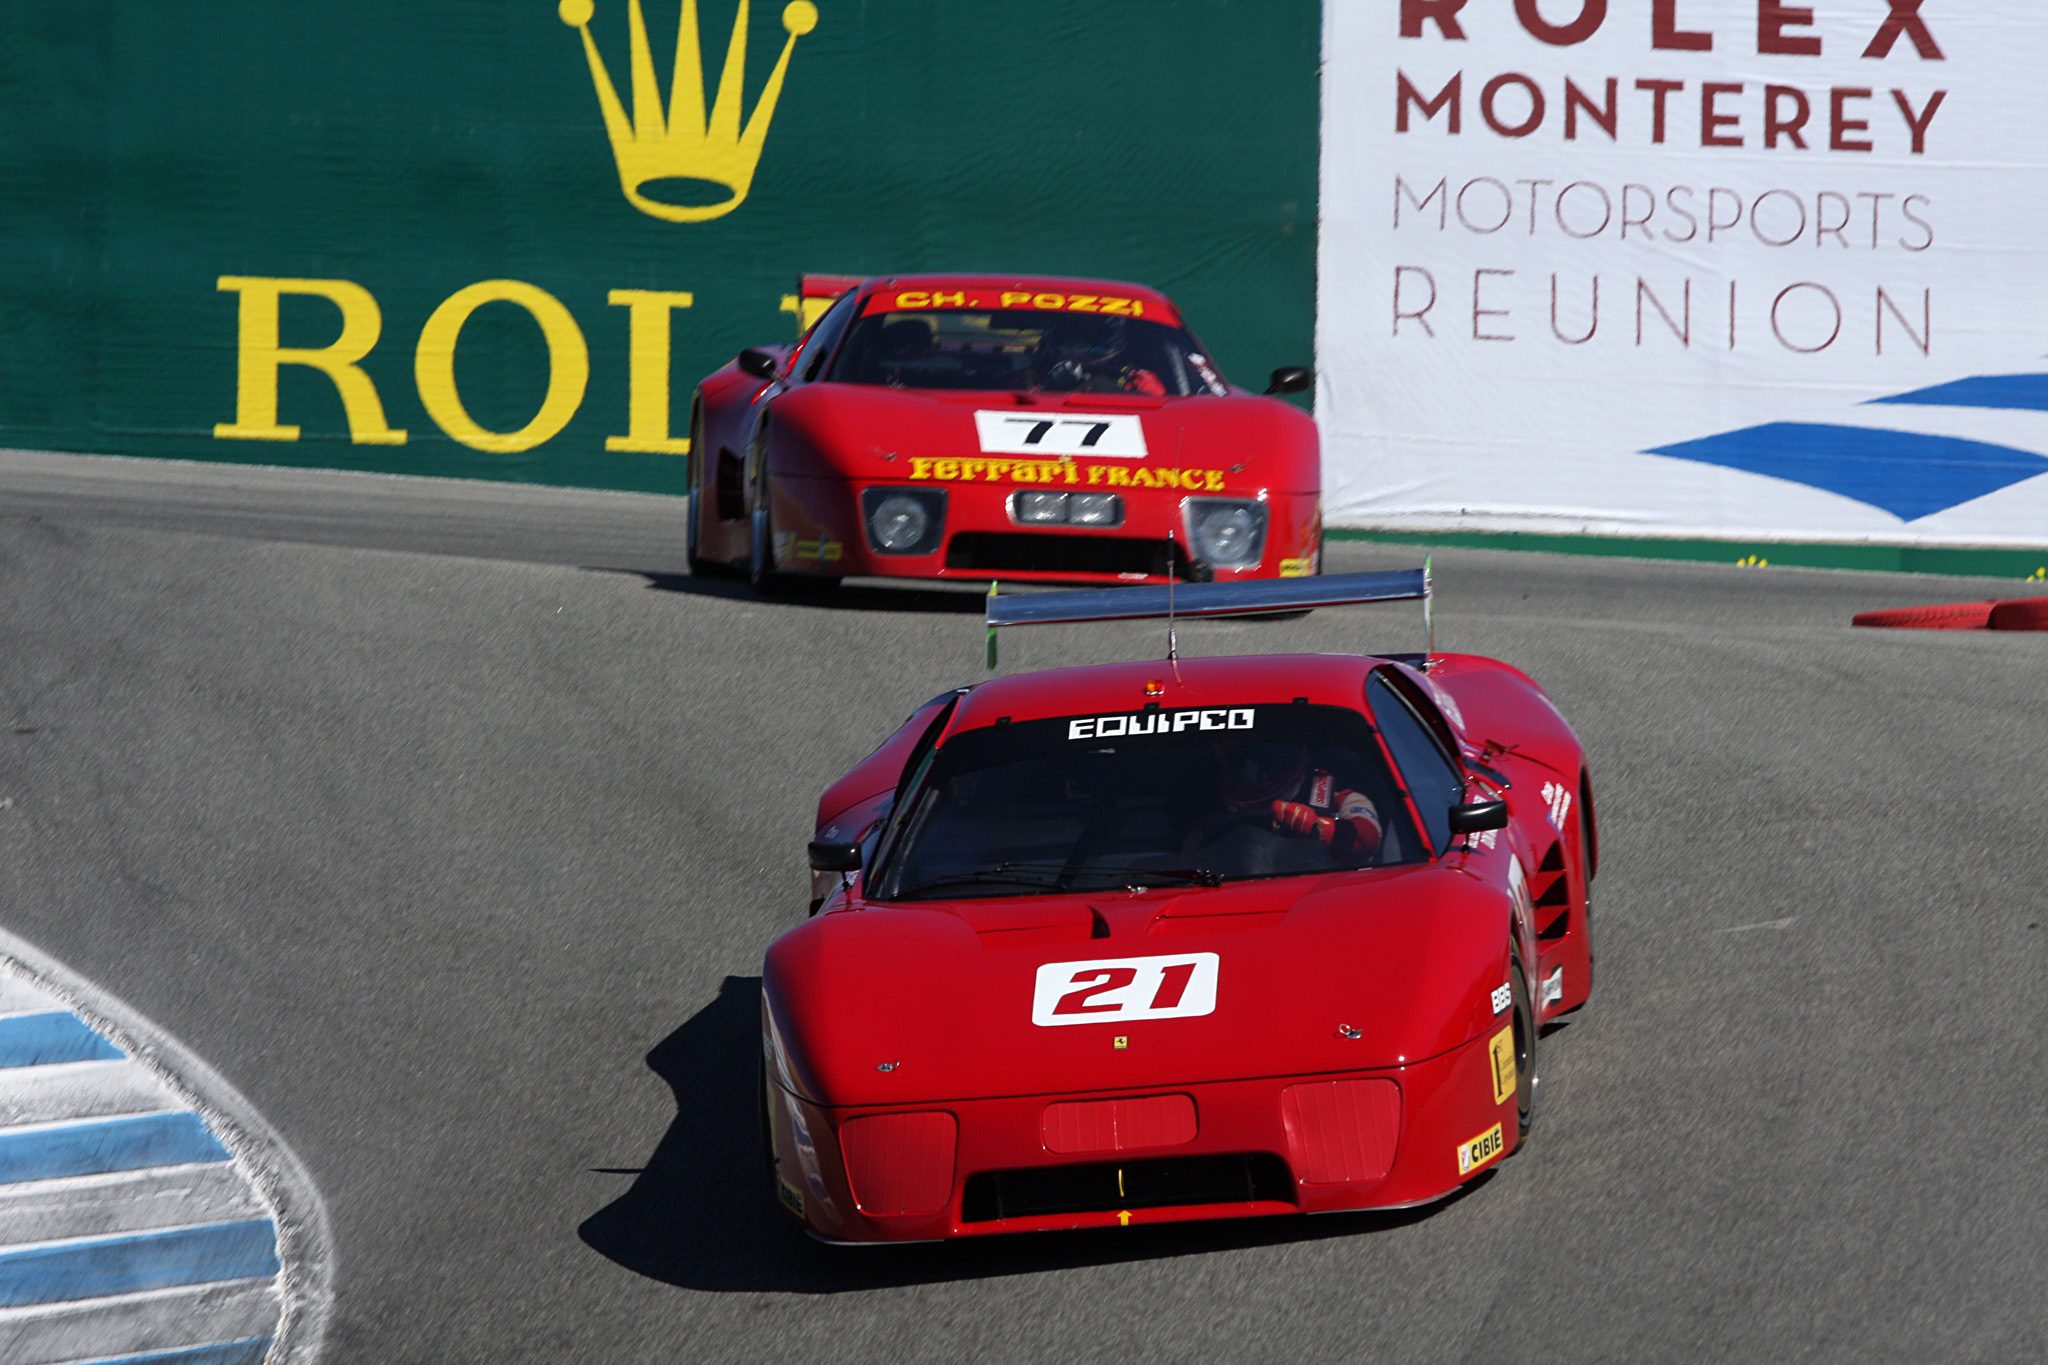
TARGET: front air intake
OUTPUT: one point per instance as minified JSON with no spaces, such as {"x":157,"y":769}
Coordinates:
{"x":1106,"y":1187}
{"x":900,"y":1163}
{"x":1339,"y":1132}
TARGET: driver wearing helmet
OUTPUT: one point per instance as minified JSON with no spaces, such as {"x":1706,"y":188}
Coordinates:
{"x":1082,"y":351}
{"x":1303,"y":801}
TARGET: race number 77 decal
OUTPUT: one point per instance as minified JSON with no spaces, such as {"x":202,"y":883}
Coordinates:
{"x":1118,"y":990}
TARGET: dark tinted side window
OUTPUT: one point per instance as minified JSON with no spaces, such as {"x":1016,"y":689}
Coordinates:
{"x":1432,"y":778}
{"x":826,"y":335}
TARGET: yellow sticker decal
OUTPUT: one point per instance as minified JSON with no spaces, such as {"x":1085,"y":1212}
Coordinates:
{"x":1297,"y":568}
{"x":792,"y":1197}
{"x":1501,"y":1051}
{"x":1478,"y":1151}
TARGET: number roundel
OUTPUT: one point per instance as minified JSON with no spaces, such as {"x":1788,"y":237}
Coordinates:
{"x":1119,"y":990}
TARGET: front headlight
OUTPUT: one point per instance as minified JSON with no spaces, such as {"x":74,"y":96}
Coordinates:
{"x":904,"y":521}
{"x":1229,"y":533}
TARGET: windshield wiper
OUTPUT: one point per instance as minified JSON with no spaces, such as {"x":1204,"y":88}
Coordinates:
{"x":1045,"y":876}
{"x":1170,"y":876}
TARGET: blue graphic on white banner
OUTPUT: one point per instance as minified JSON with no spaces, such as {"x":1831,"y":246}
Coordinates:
{"x":127,"y":1230}
{"x":1909,"y":474}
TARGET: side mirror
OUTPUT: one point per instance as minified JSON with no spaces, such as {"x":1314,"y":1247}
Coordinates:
{"x":830,"y":857}
{"x":1291,"y":379}
{"x":758,"y":363}
{"x":1476,"y":816}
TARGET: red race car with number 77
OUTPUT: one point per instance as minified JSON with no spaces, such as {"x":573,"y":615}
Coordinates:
{"x":983,"y":427}
{"x":1180,"y":939}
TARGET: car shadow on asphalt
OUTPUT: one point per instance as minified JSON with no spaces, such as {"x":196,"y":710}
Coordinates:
{"x":961,"y":601}
{"x":701,"y":1214}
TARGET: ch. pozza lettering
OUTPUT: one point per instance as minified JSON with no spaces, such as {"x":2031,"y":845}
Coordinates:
{"x":1162,"y":722}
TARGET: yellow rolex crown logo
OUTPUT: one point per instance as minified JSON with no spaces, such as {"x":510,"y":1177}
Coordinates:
{"x":680,"y":152}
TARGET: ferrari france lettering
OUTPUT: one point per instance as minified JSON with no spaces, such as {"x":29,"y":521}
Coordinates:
{"x":1065,"y":471}
{"x":1161,"y":722}
{"x":1181,"y":986}
{"x":1476,"y":1152}
{"x":1060,"y":433}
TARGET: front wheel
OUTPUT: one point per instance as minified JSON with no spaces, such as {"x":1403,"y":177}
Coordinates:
{"x":699,"y":566}
{"x":1525,"y":1045}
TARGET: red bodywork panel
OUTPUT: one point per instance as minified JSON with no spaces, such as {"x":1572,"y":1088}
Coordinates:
{"x":1351,"y":1054}
{"x":804,"y":450}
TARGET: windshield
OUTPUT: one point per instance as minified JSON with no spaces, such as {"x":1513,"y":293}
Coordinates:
{"x":1017,"y":349}
{"x":1154,"y":798}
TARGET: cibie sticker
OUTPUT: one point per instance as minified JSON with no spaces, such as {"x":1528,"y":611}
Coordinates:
{"x":1118,"y":990}
{"x":1503,"y":996}
{"x":1162,"y":722}
{"x":1476,"y":1152}
{"x":1501,"y":1051}
{"x":1055,"y":432}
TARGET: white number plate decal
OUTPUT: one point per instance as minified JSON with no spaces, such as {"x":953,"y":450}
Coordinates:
{"x":1056,"y":433}
{"x":1117,"y":990}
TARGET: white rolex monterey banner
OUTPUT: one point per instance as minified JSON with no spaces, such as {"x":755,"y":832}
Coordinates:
{"x":1725,"y":268}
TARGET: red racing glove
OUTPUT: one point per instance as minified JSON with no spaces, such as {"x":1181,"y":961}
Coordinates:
{"x":1291,"y":817}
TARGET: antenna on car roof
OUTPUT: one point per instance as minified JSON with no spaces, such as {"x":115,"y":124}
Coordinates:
{"x":1172,"y":637}
{"x":1428,"y":617}
{"x":991,"y":666}
{"x":1172,"y":640}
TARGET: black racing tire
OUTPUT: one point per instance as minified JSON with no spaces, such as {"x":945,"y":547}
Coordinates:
{"x":699,"y":566}
{"x":1524,"y":1024}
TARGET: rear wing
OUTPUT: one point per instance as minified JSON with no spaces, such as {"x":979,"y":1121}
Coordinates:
{"x":815,"y":294}
{"x":1246,"y":597}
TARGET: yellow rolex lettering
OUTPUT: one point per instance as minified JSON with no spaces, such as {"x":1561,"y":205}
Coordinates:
{"x":647,"y":405}
{"x":919,"y":468}
{"x":568,"y":366}
{"x":258,"y":356}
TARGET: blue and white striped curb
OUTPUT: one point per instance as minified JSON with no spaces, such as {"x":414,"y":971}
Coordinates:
{"x":147,"y":1214}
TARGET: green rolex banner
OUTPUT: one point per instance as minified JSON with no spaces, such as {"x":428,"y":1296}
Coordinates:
{"x":503,"y":240}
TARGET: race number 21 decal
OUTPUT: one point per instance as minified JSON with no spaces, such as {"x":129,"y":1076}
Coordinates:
{"x":1118,"y":990}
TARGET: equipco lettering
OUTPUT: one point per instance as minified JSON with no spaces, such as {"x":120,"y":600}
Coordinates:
{"x":1160,"y":723}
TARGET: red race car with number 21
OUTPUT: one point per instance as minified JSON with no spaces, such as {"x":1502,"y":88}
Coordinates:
{"x":984,"y":427}
{"x":1180,"y":939}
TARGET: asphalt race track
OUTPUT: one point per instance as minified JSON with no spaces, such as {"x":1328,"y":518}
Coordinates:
{"x":449,"y":823}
